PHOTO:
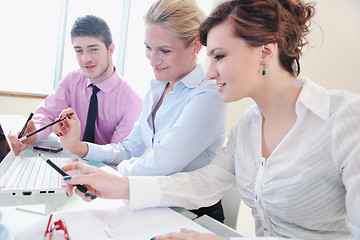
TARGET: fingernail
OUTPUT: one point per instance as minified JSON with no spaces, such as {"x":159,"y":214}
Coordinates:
{"x":61,"y":134}
{"x":87,"y":194}
{"x":67,"y":194}
{"x":153,"y":238}
{"x":93,"y":197}
{"x":69,"y":117}
{"x":67,"y":178}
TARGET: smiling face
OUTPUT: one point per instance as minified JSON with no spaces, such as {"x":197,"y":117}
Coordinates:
{"x":169,"y":58}
{"x":235,"y":66}
{"x":94,"y":59}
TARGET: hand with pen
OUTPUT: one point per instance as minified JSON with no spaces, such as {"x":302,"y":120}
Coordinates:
{"x":69,"y":132}
{"x":14,"y":136}
{"x":28,"y":135}
{"x":109,"y":186}
{"x":98,"y":183}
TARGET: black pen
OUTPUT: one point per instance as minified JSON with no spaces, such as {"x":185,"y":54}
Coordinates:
{"x":25,"y":126}
{"x":43,"y":128}
{"x":81,"y":188}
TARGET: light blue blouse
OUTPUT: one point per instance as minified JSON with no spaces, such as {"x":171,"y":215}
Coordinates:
{"x":190,"y":129}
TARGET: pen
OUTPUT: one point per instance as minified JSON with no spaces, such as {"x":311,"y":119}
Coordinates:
{"x":81,"y":188}
{"x":25,"y":126}
{"x":43,"y":128}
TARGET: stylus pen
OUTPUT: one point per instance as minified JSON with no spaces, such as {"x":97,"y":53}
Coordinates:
{"x":25,"y":126}
{"x":43,"y":128}
{"x":81,"y":188}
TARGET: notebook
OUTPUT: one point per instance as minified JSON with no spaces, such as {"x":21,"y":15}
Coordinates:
{"x":27,"y":176}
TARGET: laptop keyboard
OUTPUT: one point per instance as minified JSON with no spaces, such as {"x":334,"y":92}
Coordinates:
{"x":35,"y":173}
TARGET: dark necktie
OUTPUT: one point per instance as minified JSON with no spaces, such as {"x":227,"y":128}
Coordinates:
{"x":89,"y":134}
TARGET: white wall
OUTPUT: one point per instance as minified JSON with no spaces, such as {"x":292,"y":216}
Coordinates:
{"x":18,"y":105}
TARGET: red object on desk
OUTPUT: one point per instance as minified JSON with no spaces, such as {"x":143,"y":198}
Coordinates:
{"x":58,"y":225}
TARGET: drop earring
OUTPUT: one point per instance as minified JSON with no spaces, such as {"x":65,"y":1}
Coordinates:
{"x":264,"y":70}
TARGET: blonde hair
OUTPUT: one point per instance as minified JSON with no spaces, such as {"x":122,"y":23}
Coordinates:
{"x":181,"y":18}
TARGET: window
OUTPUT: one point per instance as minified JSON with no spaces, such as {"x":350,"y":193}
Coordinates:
{"x":37,"y":50}
{"x":29,"y":43}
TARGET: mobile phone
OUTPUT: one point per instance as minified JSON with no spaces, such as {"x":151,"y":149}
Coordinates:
{"x":53,"y":147}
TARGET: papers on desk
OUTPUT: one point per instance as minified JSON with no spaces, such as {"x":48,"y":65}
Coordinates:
{"x":114,"y":223}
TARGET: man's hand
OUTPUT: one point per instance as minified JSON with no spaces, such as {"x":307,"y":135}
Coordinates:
{"x":17,"y":146}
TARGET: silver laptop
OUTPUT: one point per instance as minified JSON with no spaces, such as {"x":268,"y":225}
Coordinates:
{"x":27,"y":176}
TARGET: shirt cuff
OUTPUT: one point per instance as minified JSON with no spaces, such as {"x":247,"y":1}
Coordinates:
{"x":144,"y":192}
{"x":121,"y":167}
{"x":108,"y":153}
{"x":92,"y":154}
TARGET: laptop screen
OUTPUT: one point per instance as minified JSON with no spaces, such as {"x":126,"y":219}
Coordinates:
{"x":4,"y":145}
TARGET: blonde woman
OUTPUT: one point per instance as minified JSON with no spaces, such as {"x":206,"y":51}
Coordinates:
{"x":182,"y":123}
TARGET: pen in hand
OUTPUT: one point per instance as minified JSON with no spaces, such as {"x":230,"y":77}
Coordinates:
{"x":25,"y":126}
{"x":43,"y":128}
{"x":81,"y":188}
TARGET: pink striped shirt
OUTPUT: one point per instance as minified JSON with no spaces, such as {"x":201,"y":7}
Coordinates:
{"x":118,"y":106}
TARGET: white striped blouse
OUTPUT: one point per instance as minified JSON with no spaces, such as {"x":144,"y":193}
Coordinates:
{"x":309,"y":187}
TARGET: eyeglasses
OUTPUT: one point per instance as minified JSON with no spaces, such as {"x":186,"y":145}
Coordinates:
{"x":52,"y":227}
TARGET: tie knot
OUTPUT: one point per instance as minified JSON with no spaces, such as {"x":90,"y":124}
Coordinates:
{"x":95,"y":88}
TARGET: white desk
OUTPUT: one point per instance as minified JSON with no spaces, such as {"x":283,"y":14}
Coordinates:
{"x":31,"y":219}
{"x":100,"y":219}
{"x":26,"y":218}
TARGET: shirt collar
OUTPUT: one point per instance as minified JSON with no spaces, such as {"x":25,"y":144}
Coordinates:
{"x":107,"y":85}
{"x":191,"y":80}
{"x":313,"y":97}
